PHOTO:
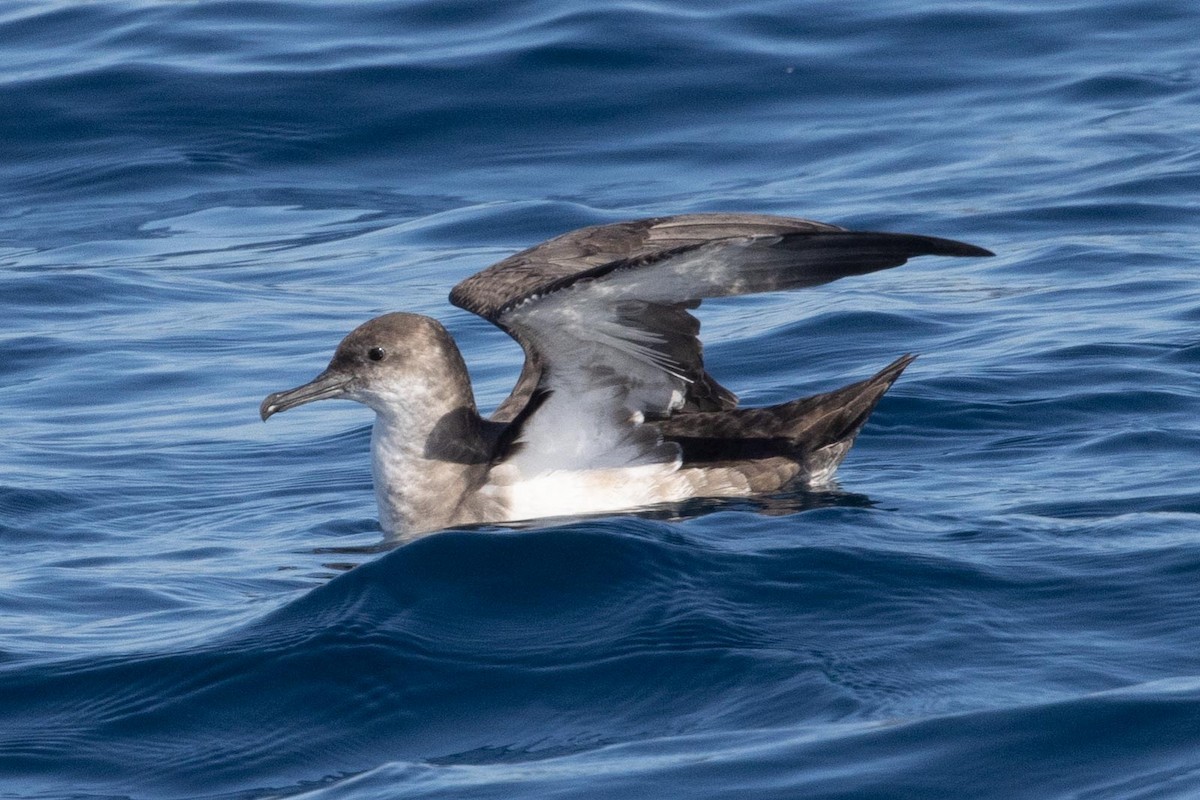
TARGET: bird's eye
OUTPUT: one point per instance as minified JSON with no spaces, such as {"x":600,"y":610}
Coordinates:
{"x":376,"y":354}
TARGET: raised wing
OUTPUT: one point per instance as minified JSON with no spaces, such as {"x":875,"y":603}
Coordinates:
{"x":568,"y":257}
{"x":602,"y":314}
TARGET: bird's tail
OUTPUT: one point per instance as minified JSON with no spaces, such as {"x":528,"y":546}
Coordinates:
{"x":815,"y":432}
{"x":823,"y":427}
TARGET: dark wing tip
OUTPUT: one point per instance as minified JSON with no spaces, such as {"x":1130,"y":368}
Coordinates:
{"x":907,"y":245}
{"x":950,"y":247}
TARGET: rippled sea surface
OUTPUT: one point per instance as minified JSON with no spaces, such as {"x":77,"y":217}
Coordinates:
{"x":1000,"y":600}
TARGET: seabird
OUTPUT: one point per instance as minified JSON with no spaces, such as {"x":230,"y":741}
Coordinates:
{"x":613,"y":408}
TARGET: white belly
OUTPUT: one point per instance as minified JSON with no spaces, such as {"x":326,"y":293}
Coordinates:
{"x":559,"y":493}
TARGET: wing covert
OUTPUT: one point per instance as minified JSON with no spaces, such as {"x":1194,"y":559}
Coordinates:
{"x":603,"y":316}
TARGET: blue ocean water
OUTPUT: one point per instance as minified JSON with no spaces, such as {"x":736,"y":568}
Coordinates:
{"x":1001,"y":600}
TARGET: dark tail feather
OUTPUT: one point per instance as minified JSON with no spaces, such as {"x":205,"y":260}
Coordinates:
{"x":816,"y":431}
{"x":826,"y":425}
{"x":826,"y":419}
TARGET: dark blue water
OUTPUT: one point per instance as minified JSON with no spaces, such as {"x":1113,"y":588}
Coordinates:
{"x":197,"y":200}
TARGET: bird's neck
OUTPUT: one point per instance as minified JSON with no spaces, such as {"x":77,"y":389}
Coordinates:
{"x":427,"y":460}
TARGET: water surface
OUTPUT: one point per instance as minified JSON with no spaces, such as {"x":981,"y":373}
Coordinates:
{"x":197,"y":200}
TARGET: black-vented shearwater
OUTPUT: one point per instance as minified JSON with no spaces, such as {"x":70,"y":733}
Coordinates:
{"x":613,"y":408}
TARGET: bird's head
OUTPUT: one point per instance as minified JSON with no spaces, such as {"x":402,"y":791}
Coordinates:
{"x":391,"y":363}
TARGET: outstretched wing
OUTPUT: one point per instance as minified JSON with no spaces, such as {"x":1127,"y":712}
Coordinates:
{"x":559,"y":261}
{"x":603,"y":316}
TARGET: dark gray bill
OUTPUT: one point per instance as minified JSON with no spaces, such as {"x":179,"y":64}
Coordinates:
{"x":327,"y":384}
